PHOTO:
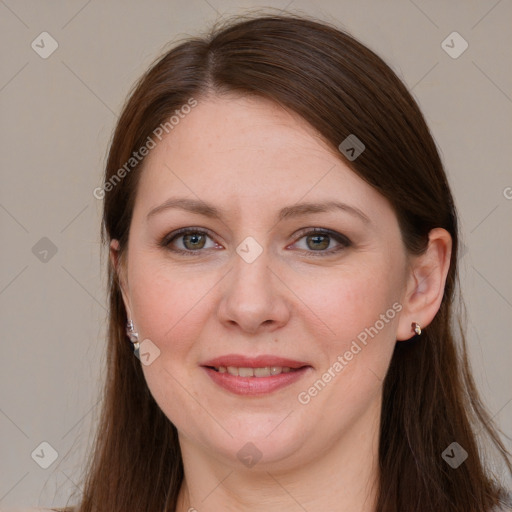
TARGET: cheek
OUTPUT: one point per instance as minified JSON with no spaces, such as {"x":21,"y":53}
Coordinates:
{"x":169,"y":305}
{"x":362,"y":310}
{"x":351,"y":301}
{"x":170,"y":308}
{"x":361,"y":307}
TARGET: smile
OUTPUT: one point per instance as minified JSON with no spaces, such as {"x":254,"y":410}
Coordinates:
{"x":255,"y":381}
{"x":265,"y":371}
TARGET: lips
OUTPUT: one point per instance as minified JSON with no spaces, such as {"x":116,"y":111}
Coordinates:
{"x":252,"y":376}
{"x":241,"y":361}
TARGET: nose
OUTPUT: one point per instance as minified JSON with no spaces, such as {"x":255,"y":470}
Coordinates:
{"x":254,"y":298}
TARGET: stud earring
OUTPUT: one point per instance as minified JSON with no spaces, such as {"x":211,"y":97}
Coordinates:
{"x":416,"y":327}
{"x":134,"y":336}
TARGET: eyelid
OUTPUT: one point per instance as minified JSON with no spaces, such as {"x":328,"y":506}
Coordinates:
{"x":324,"y":231}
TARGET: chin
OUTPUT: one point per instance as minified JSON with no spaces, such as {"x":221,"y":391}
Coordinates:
{"x":272,"y":446}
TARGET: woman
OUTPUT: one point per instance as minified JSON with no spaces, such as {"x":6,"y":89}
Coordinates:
{"x":283,"y":264}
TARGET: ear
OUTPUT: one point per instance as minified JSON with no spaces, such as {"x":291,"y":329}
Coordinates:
{"x":117,"y":263}
{"x":425,"y":283}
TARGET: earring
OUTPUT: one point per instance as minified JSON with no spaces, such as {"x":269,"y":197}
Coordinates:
{"x":134,"y":336}
{"x":416,"y":327}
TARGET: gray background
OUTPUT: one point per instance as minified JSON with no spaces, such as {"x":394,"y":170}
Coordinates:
{"x":57,"y":115}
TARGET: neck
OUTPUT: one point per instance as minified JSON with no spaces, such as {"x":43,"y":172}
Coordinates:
{"x":343,"y":478}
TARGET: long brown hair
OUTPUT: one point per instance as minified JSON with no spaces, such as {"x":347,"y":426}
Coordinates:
{"x":340,"y":87}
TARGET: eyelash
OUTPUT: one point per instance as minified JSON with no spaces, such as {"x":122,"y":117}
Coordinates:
{"x":342,"y":239}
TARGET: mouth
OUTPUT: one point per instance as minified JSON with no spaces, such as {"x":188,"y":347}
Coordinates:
{"x":246,"y":376}
{"x":265,"y":371}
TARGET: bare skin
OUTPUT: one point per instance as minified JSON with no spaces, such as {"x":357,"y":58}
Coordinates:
{"x":250,"y":158}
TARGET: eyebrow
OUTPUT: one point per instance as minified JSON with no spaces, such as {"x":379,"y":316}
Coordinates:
{"x":208,"y":210}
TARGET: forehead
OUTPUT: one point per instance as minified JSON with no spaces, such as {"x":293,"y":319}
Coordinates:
{"x":237,"y":149}
{"x":237,"y":128}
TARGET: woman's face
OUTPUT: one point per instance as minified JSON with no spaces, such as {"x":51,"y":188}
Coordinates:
{"x":257,"y":282}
